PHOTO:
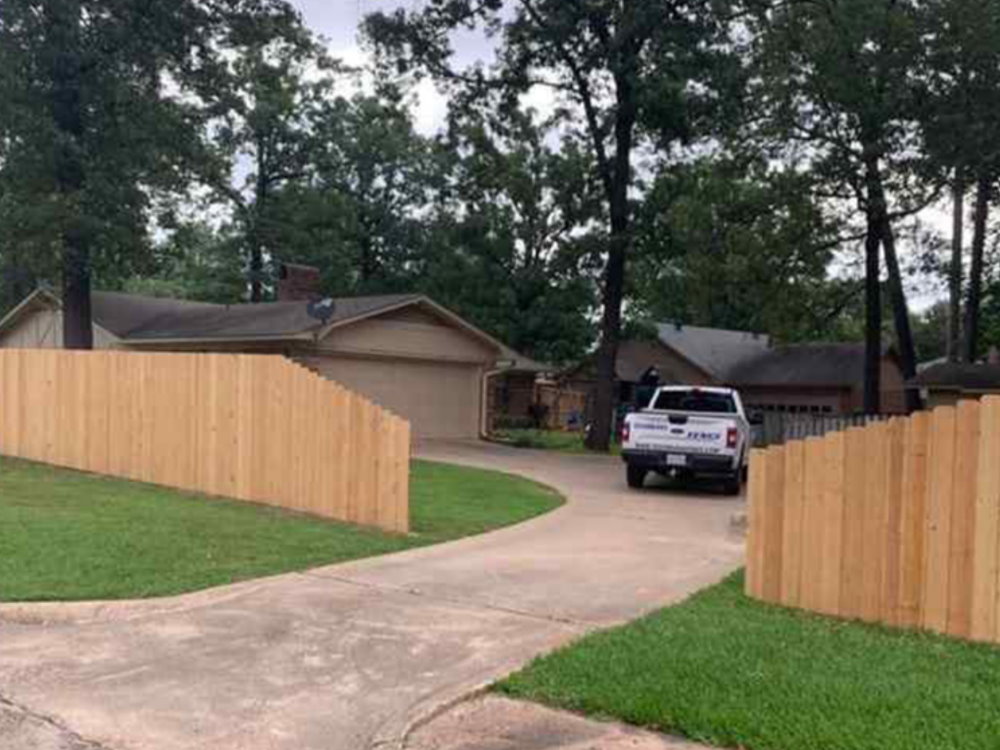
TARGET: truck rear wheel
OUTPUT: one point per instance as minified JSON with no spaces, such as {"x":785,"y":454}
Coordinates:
{"x":636,"y":476}
{"x":733,"y":484}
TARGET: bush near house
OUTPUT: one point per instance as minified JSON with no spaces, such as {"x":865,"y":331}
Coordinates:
{"x":726,"y":670}
{"x":66,"y":535}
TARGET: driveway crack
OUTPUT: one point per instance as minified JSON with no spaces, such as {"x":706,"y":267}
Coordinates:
{"x":415,"y":592}
{"x":69,"y":740}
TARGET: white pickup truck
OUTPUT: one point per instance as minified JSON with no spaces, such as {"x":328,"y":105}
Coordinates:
{"x":687,"y":431}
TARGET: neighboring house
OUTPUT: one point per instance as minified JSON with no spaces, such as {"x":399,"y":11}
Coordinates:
{"x":805,"y":378}
{"x":713,"y":351}
{"x":945,"y":383}
{"x":636,"y":362}
{"x":513,"y":392}
{"x":405,"y":352}
{"x":816,"y":378}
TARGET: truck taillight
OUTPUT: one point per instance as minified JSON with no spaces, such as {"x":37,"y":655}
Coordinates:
{"x":626,"y":431}
{"x":731,"y":437}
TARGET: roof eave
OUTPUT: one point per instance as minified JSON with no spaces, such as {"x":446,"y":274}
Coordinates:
{"x":415,"y":300}
{"x":270,"y":338}
{"x":11,"y":318}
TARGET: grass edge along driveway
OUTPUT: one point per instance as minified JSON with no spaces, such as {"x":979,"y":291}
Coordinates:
{"x":70,"y":536}
{"x":722,"y":669}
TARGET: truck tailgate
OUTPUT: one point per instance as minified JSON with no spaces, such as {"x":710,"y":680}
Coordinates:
{"x":682,"y":433}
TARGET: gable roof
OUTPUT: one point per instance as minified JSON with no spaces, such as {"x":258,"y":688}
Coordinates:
{"x":830,"y":365}
{"x":959,"y":376}
{"x":140,"y":320}
{"x":635,"y":358}
{"x":196,"y":321}
{"x":713,"y":350}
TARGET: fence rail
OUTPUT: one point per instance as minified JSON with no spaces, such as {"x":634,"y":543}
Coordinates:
{"x":251,"y":427}
{"x":897,"y":522}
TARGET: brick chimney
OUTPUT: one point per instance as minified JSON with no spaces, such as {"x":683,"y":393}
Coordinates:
{"x":297,"y":283}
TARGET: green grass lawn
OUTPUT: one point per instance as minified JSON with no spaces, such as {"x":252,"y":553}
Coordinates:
{"x":552,"y":440}
{"x":725,"y":670}
{"x":70,"y":536}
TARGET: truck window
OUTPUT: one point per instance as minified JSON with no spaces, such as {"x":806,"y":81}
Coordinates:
{"x":695,"y":401}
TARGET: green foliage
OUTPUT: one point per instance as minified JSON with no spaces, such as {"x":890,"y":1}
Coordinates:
{"x":930,"y":331}
{"x":194,"y":262}
{"x":724,"y":670}
{"x":731,"y":244}
{"x":102,"y":108}
{"x":67,"y":535}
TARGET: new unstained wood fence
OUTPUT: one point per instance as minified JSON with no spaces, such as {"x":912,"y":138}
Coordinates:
{"x":257,"y":428}
{"x":896,"y":522}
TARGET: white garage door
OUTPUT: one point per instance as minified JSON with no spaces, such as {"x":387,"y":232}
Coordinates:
{"x":440,"y":400}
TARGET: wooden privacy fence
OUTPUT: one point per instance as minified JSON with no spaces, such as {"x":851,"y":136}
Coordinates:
{"x":896,"y":522}
{"x":251,"y":427}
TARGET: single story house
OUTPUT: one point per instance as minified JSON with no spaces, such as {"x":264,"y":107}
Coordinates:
{"x":816,"y":378}
{"x":404,"y":351}
{"x":946,"y":383}
{"x":800,"y":378}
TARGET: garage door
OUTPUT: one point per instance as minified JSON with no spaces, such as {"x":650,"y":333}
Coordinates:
{"x":440,"y":400}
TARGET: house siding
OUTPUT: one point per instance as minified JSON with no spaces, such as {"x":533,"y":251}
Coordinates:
{"x":43,"y":329}
{"x":403,"y":334}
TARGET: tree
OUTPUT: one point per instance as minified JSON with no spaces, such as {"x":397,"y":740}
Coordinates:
{"x":194,"y":262}
{"x":835,"y":82}
{"x":624,"y":69}
{"x":100,"y":109}
{"x":509,"y":247}
{"x":268,"y":111}
{"x":961,"y":108}
{"x":731,"y":243}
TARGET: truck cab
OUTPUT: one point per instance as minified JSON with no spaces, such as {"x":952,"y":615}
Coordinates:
{"x":688,"y":431}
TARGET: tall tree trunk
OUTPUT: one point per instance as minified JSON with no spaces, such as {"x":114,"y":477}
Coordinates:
{"x":63,"y":25}
{"x":256,"y":230}
{"x":599,"y":437}
{"x":873,"y":289}
{"x":873,"y":319}
{"x":984,"y":191}
{"x":955,"y":272}
{"x":900,"y":314}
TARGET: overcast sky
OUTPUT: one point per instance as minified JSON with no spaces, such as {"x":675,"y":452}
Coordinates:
{"x":337,"y":21}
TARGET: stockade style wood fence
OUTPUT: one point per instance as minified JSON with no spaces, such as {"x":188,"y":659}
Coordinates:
{"x":896,"y":522}
{"x":251,"y":427}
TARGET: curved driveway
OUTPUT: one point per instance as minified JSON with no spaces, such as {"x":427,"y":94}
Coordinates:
{"x":350,"y":656}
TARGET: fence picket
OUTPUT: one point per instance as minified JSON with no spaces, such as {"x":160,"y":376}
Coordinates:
{"x":963,"y":511}
{"x":940,"y":486}
{"x":772,"y":522}
{"x":986,"y":523}
{"x":832,"y":522}
{"x":791,"y":529}
{"x":813,"y":499}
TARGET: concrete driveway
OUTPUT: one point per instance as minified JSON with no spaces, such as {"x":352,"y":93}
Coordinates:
{"x":353,"y":655}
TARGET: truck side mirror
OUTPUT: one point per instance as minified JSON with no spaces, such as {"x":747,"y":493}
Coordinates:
{"x":755,"y":418}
